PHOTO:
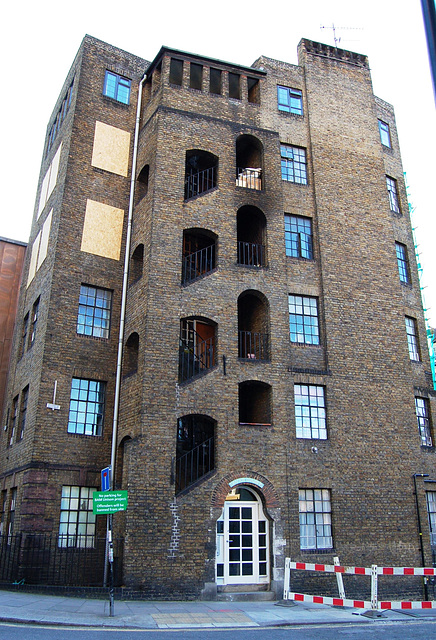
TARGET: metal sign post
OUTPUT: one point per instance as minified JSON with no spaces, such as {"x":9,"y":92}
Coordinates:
{"x":109,"y":502}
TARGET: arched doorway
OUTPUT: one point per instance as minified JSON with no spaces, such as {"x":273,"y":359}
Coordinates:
{"x":242,"y":540}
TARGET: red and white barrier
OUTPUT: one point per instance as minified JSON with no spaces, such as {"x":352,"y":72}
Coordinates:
{"x":374,"y":571}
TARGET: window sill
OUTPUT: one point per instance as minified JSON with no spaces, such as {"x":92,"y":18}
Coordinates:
{"x":305,"y":344}
{"x":255,"y":424}
{"x":115,"y":101}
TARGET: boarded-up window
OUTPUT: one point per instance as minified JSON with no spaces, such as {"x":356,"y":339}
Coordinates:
{"x":50,"y":179}
{"x":102,"y":230}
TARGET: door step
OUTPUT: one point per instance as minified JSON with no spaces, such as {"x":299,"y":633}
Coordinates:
{"x":246,"y":596}
{"x":245,"y":593}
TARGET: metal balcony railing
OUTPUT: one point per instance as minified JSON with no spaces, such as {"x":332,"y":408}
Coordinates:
{"x":251,"y":254}
{"x":195,"y":359}
{"x":195,"y":464}
{"x":200,"y":182}
{"x":198,"y":264}
{"x":253,"y":346}
{"x":249,"y":178}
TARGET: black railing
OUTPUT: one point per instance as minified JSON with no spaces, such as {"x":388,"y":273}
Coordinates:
{"x":41,"y":558}
{"x":200,"y":182}
{"x":251,"y":254}
{"x":253,"y":346}
{"x":249,"y":178}
{"x":194,"y":360}
{"x":198,"y":264}
{"x":195,"y":464}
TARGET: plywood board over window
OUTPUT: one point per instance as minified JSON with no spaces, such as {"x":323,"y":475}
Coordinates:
{"x":49,"y":182}
{"x":39,"y":248}
{"x":102,"y":230}
{"x":111,"y":149}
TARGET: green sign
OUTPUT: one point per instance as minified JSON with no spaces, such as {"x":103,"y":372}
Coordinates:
{"x":109,"y":501}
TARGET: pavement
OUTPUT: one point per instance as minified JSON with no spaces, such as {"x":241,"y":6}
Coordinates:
{"x":36,"y":608}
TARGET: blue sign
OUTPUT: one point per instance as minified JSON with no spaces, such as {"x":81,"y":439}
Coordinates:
{"x":106,"y":479}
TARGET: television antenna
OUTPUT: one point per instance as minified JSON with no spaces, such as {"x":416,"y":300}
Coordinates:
{"x":334,"y":29}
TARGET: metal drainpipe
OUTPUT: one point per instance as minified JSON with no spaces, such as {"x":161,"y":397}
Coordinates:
{"x":125,"y":281}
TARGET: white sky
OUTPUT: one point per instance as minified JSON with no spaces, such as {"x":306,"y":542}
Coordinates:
{"x":39,"y":40}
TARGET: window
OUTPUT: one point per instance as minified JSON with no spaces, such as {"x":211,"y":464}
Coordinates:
{"x":201,"y":172}
{"x":423,"y":417}
{"x":303,"y":319}
{"x":298,"y":237}
{"x":412,"y":339}
{"x":310,"y":415}
{"x":385,"y":135}
{"x":94,"y":314}
{"x":60,"y":117}
{"x":24,"y":334}
{"x":197,"y":347}
{"x":23,"y":412}
{"x":394,"y":204}
{"x":12,"y":513}
{"x":50,"y":180}
{"x":39,"y":248}
{"x":234,"y":86}
{"x":253,"y":89}
{"x":77,"y":521}
{"x":142,"y":182}
{"x":35,"y":314}
{"x":131,"y":354}
{"x":86,"y":407}
{"x":215,"y":82}
{"x":195,"y":76}
{"x":199,"y":254}
{"x":176,"y":72}
{"x":315,"y":519}
{"x":249,"y":162}
{"x":403,"y":263}
{"x":294,"y":167}
{"x":255,"y":403}
{"x":14,"y":418}
{"x":431,"y":510}
{"x":195,"y":453}
{"x":290,"y":100}
{"x":136,"y":264}
{"x":3,"y":503}
{"x":117,"y":87}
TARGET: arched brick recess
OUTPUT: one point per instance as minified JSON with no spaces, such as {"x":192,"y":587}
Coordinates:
{"x":223,"y":488}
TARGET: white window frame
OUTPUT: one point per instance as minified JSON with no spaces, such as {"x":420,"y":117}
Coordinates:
{"x":315,"y":511}
{"x":77,"y":520}
{"x":310,"y":411}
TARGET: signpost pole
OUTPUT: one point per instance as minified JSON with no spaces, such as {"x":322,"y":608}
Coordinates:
{"x":111,"y":566}
{"x":109,"y":502}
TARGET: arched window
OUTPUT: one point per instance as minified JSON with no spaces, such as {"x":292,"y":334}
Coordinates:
{"x":195,"y":454}
{"x":131,"y":351}
{"x":201,"y":172}
{"x":199,"y":254}
{"x":255,"y":403}
{"x":249,"y":162}
{"x":120,"y":467}
{"x":253,"y":326}
{"x":197,"y":351}
{"x":142,"y":182}
{"x":136,"y":264}
{"x":251,"y":236}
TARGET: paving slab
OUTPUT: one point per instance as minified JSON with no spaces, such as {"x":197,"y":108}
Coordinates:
{"x":19,"y":606}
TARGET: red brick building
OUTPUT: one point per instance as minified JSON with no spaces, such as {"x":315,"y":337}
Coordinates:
{"x":271,"y":391}
{"x":12,"y":255}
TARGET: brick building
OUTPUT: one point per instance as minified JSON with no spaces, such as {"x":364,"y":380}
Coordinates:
{"x":274,"y":383}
